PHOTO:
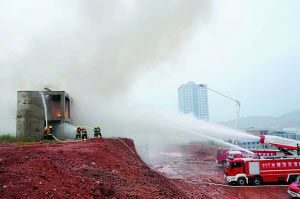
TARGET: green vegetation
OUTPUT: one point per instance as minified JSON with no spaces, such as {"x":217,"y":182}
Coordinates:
{"x":9,"y":138}
{"x":25,"y":140}
{"x":29,"y":139}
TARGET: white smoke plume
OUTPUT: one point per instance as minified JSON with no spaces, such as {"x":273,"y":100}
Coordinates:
{"x":95,"y":50}
{"x":92,"y":49}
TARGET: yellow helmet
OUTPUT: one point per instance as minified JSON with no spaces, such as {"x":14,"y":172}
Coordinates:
{"x":95,"y":126}
{"x":78,"y":127}
{"x":82,"y":127}
{"x":50,"y":127}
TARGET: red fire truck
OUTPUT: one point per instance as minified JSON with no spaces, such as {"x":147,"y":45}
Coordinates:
{"x":224,"y":153}
{"x":293,"y":148}
{"x":256,"y":171}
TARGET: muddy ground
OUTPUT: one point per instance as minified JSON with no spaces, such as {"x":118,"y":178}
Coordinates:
{"x":111,"y":168}
{"x":194,"y":170}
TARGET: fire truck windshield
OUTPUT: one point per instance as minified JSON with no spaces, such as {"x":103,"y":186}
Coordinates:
{"x":297,"y":180}
{"x":235,"y":165}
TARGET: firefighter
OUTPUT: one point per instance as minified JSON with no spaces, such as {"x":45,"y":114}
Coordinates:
{"x":96,"y":133}
{"x":45,"y":134}
{"x":298,"y":149}
{"x":78,"y":132}
{"x":84,"y":133}
{"x":99,"y":130}
{"x":50,"y":133}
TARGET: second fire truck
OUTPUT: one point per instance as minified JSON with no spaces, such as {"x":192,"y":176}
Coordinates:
{"x":272,"y":169}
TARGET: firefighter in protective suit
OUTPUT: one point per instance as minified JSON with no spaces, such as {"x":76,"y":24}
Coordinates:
{"x":97,"y":131}
{"x":78,"y":132}
{"x":45,"y":134}
{"x":84,"y":133}
{"x":50,"y":132}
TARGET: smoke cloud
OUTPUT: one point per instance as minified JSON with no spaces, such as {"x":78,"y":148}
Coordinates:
{"x":95,"y":50}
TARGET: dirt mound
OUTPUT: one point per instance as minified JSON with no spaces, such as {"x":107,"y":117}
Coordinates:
{"x":97,"y":168}
{"x":110,"y":168}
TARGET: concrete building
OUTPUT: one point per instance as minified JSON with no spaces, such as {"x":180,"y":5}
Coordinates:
{"x":295,"y":130}
{"x":31,"y":120}
{"x":192,"y":98}
{"x":255,"y":144}
{"x":290,"y":134}
{"x":250,"y":144}
{"x":257,"y":131}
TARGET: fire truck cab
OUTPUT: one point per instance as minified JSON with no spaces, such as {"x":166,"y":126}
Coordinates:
{"x":235,"y":172}
{"x":256,"y":171}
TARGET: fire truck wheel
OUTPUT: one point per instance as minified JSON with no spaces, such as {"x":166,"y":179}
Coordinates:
{"x":241,"y":181}
{"x":257,"y":181}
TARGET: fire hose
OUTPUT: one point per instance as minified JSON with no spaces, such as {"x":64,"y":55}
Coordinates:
{"x":125,"y":145}
{"x":56,"y":138}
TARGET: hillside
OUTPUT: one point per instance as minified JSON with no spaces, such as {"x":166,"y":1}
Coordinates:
{"x":291,"y":119}
{"x":97,"y":168}
{"x":111,"y":169}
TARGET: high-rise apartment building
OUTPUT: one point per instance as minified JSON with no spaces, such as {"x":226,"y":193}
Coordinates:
{"x":192,"y":98}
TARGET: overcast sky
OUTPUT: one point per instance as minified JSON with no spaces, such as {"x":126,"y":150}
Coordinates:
{"x":249,"y":50}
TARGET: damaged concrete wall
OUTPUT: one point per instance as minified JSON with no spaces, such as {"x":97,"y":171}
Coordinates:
{"x":30,"y":115}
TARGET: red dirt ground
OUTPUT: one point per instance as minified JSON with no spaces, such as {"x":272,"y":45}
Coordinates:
{"x":97,"y":168}
{"x":108,"y":168}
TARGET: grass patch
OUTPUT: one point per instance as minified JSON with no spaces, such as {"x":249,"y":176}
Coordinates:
{"x":27,"y":140}
{"x":24,"y":141}
{"x":7,"y":138}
